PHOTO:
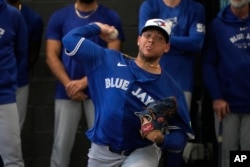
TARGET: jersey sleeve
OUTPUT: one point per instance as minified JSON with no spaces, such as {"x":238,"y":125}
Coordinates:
{"x":179,"y":128}
{"x":174,"y":141}
{"x":84,"y":51}
{"x":192,"y":42}
{"x":54,"y":28}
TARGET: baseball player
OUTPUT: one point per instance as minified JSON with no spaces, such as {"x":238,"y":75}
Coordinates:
{"x":70,"y":98}
{"x":122,"y":86}
{"x":35,"y":28}
{"x":13,"y":45}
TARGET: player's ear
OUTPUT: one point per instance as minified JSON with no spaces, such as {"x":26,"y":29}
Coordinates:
{"x":167,"y":47}
{"x":138,"y":40}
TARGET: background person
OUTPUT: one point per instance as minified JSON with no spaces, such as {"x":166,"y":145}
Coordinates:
{"x":13,"y":44}
{"x":226,"y":73}
{"x":34,"y":24}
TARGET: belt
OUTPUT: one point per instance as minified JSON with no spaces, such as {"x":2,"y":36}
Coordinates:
{"x":121,"y":152}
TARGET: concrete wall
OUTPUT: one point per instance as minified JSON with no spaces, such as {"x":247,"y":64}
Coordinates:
{"x":37,"y":134}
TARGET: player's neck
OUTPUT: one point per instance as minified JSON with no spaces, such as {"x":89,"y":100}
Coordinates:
{"x":86,"y":8}
{"x":82,"y":7}
{"x":152,"y":67}
{"x":172,"y":3}
{"x":241,"y":12}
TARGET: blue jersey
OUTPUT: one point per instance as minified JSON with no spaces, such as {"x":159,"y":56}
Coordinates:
{"x":186,"y":40}
{"x":120,"y":88}
{"x":35,"y":28}
{"x":226,"y":62}
{"x":64,"y":20}
{"x":13,"y":46}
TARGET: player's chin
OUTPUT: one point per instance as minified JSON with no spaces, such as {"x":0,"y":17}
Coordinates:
{"x":151,"y":56}
{"x":148,"y":53}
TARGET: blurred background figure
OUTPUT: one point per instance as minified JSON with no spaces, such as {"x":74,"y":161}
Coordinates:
{"x":13,"y":44}
{"x":34,"y":24}
{"x":226,"y":73}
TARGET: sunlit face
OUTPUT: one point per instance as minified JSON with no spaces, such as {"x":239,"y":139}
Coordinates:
{"x":238,"y":3}
{"x":152,"y":44}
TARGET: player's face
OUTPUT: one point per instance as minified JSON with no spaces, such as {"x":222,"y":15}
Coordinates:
{"x":238,"y":3}
{"x":152,"y":43}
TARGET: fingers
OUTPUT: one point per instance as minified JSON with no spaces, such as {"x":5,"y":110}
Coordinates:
{"x":105,"y":28}
{"x":108,"y":33}
{"x":71,"y":91}
{"x":79,"y":96}
{"x":155,"y":136}
{"x":74,"y":90}
{"x":73,"y":87}
{"x":227,"y":109}
{"x":221,"y":108}
{"x":219,"y":115}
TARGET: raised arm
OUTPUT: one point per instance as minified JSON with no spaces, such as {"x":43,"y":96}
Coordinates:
{"x":86,"y":52}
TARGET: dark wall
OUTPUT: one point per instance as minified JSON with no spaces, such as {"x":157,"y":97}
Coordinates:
{"x":37,"y":133}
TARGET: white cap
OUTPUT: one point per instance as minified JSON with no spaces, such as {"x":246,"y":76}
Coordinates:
{"x":159,"y":24}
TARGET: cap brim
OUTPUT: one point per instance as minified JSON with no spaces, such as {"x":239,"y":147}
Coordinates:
{"x":157,"y":28}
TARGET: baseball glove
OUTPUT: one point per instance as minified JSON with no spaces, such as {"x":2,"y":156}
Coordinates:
{"x":156,"y":115}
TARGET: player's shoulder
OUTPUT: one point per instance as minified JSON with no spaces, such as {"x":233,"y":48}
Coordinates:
{"x":127,"y":56}
{"x":28,"y":9}
{"x":151,"y":3}
{"x":10,"y":21}
{"x":61,"y":12}
{"x":105,"y":8}
{"x":59,"y":16}
{"x":11,"y":14}
{"x":11,"y":11}
{"x":108,"y":16}
{"x":194,"y":5}
{"x":107,"y":11}
{"x":117,"y":56}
